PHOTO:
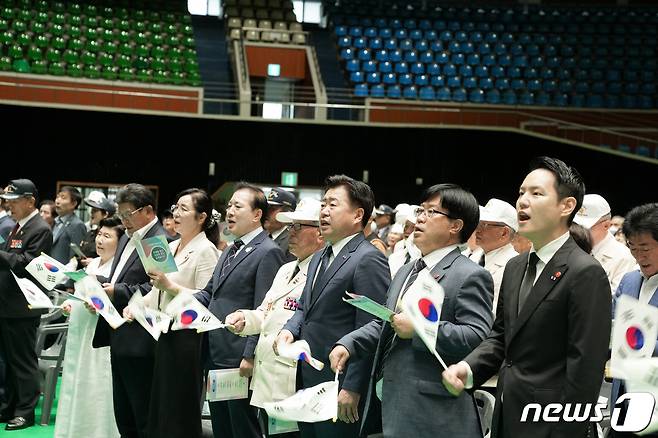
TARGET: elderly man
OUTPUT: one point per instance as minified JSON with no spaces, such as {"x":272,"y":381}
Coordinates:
{"x":274,"y":378}
{"x":494,"y":233}
{"x":614,"y":256}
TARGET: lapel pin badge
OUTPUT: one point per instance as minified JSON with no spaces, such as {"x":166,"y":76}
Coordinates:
{"x":556,"y":276}
{"x":248,"y":249}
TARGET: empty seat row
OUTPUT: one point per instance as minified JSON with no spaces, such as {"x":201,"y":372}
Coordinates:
{"x":268,"y":36}
{"x":234,"y":23}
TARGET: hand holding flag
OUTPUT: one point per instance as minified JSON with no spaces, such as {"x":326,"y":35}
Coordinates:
{"x":188,"y":313}
{"x":97,"y":299}
{"x":47,"y":271}
{"x":153,"y":321}
{"x":299,"y":350}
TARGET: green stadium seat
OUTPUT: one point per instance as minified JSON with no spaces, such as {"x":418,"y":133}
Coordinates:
{"x":75,"y":20}
{"x":158,"y":52}
{"x":122,"y":14}
{"x":107,"y":12}
{"x":142,"y":50}
{"x":21,"y":66}
{"x":71,"y":56}
{"x":191,"y":66}
{"x":141,"y":63}
{"x":170,"y":17}
{"x":123,"y":25}
{"x":189,"y":53}
{"x":56,"y":69}
{"x":110,"y":73}
{"x":139,"y":14}
{"x":74,"y":32}
{"x":157,"y":39}
{"x":74,"y":8}
{"x":175,"y":66}
{"x":107,"y":23}
{"x":91,"y":21}
{"x":90,"y":10}
{"x":175,"y":53}
{"x":139,"y":26}
{"x":42,"y":6}
{"x":34,"y":53}
{"x":110,"y":47}
{"x":123,"y":36}
{"x":188,"y":41}
{"x":126,"y":74}
{"x":88,"y":58}
{"x":53,"y":55}
{"x":187,"y":19}
{"x":58,"y":43}
{"x":172,"y":40}
{"x":154,"y":17}
{"x":155,"y":27}
{"x":4,"y":25}
{"x":39,"y":67}
{"x":7,"y":14}
{"x":59,"y":19}
{"x":177,"y":78}
{"x":93,"y":46}
{"x":158,"y":64}
{"x":144,"y":75}
{"x":5,"y":63}
{"x":38,"y":28}
{"x":57,"y":30}
{"x":92,"y":71}
{"x":25,"y":15}
{"x":107,"y":35}
{"x":15,"y":51}
{"x":171,"y":29}
{"x":91,"y":33}
{"x":19,"y":25}
{"x":126,"y":49}
{"x":123,"y":61}
{"x":41,"y":41}
{"x":187,"y":30}
{"x":140,"y":38}
{"x":24,"y":39}
{"x":105,"y":59}
{"x":75,"y":70}
{"x":76,"y":44}
{"x":41,"y":17}
{"x":161,"y":76}
{"x":193,"y":79}
{"x":59,"y":7}
{"x":7,"y":37}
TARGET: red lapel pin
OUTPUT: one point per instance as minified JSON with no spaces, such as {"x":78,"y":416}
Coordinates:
{"x":556,"y":276}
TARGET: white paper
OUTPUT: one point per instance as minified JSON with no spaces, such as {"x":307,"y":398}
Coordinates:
{"x":34,"y":296}
{"x":634,"y":334}
{"x":226,"y":385}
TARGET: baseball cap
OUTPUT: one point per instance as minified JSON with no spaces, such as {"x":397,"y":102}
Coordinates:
{"x":593,"y":209}
{"x":308,"y":210}
{"x":500,"y":211}
{"x":18,"y":188}
{"x":279,"y":196}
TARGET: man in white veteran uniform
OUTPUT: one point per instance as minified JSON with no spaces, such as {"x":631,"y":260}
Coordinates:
{"x":614,"y":256}
{"x":494,"y":233}
{"x":274,"y":377}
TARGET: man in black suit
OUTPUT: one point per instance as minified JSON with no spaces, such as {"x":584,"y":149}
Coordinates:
{"x":243,"y":275}
{"x":348,"y":263}
{"x":68,"y":226}
{"x":549,"y":342}
{"x":133,"y":349}
{"x":18,"y":325}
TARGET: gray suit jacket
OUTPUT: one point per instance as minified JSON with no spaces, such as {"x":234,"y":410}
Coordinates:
{"x":412,"y":391}
{"x":72,"y":231}
{"x":243,"y":286}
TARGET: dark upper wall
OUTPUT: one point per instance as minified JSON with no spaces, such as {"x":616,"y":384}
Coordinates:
{"x":174,"y":154}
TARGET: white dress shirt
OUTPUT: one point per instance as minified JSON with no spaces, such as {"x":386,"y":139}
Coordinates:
{"x":649,"y":286}
{"x":130,"y":247}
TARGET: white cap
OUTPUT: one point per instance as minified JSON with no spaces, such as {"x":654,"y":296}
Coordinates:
{"x":308,"y":210}
{"x":500,"y":211}
{"x":96,"y":197}
{"x":397,"y":228}
{"x":593,"y":209}
{"x":404,"y":213}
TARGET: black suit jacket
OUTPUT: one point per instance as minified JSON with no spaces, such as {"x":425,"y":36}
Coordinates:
{"x":555,"y":350}
{"x":243,"y":286}
{"x":324,"y":318}
{"x":129,"y":340}
{"x":35,"y":237}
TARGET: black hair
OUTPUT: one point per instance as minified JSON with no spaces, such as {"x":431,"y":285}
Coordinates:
{"x":642,"y":219}
{"x":74,"y":193}
{"x":582,"y":236}
{"x":136,"y":195}
{"x":203,"y":204}
{"x":259,"y":199}
{"x":359,"y":193}
{"x":167,"y":214}
{"x":460,"y":203}
{"x":50,"y":203}
{"x":568,"y":181}
{"x":114,"y":223}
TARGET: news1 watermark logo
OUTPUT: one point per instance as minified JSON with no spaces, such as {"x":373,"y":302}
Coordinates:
{"x":638,"y":413}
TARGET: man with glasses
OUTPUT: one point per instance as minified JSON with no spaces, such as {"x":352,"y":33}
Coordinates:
{"x":406,"y":375}
{"x":347,"y":263}
{"x":641,"y":230}
{"x":614,"y":256}
{"x":18,"y":325}
{"x":274,"y":378}
{"x":494,"y":234}
{"x":132,"y":348}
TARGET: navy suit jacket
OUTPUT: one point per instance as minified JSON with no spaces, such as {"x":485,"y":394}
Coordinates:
{"x":630,"y":285}
{"x":129,"y":340}
{"x":243,"y":286}
{"x":72,"y":231}
{"x":33,"y":238}
{"x":321,"y":321}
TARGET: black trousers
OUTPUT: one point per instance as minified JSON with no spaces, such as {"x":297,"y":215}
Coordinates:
{"x":17,"y":342}
{"x":234,"y":419}
{"x":131,"y":388}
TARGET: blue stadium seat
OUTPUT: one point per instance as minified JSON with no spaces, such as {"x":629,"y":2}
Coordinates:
{"x":405,"y":79}
{"x":357,"y":77}
{"x":442,"y":57}
{"x":459,"y":95}
{"x":340,"y":31}
{"x":378,"y":91}
{"x":437,"y":81}
{"x":476,"y":95}
{"x":518,"y":84}
{"x":470,"y":83}
{"x":500,"y":49}
{"x":482,"y":71}
{"x":467,"y":47}
{"x":648,"y":88}
{"x":439,"y":25}
{"x":390,"y":79}
{"x":461,"y":36}
{"x":401,"y":67}
{"x":497,"y":71}
{"x":577,"y":100}
{"x":645,"y":102}
{"x":364,"y":54}
{"x":443,"y":94}
{"x":624,"y":148}
{"x":352,"y":65}
{"x":385,"y":67}
{"x":643,"y":151}
{"x":594,"y":101}
{"x":369,"y":66}
{"x":542,"y":99}
{"x":527,"y":98}
{"x":395,"y":23}
{"x":520,"y":61}
{"x":549,"y":85}
{"x":381,"y":55}
{"x":561,"y":99}
{"x":473,"y":59}
{"x":417,"y":68}
{"x":445,"y":36}
{"x":509,"y":97}
{"x":422,"y":80}
{"x":566,"y":86}
{"x":552,"y":62}
{"x":385,"y":32}
{"x":373,"y":78}
{"x":370,"y":32}
{"x":505,"y":60}
{"x":454,"y":81}
{"x":401,"y":34}
{"x":632,"y":88}
{"x":484,"y":49}
{"x":563,"y":74}
{"x":355,"y":31}
{"x":457,"y":58}
{"x":489,"y":60}
{"x":534,"y":85}
{"x":502,"y":84}
{"x":347,"y":53}
{"x":449,"y":69}
{"x":411,"y":56}
{"x":395,"y":55}
{"x":344,"y":41}
{"x":406,"y":44}
{"x":433,"y":68}
{"x":427,"y":57}
{"x":612,"y":101}
{"x":516,"y":49}
{"x":416,"y":34}
{"x":493,"y":96}
{"x":476,"y":37}
{"x":427,"y":93}
{"x":514,"y":72}
{"x":410,"y":23}
{"x":466,"y":70}
{"x":491,"y":37}
{"x":599,"y":87}
{"x":550,"y":51}
{"x":410,"y":92}
{"x":391,"y":44}
{"x":361,"y":90}
{"x":394,"y":92}
{"x":436,"y":46}
{"x":486,"y":83}
{"x":376,"y":43}
{"x":421,"y":45}
{"x":425,"y":25}
{"x":537,"y":61}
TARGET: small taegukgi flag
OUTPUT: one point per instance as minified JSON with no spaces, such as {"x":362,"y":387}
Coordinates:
{"x":153,"y":321}
{"x":633,"y":335}
{"x":95,"y":295}
{"x":47,"y":271}
{"x":188,"y":313}
{"x":34,"y":296}
{"x":422,"y":302}
{"x":299,"y":350}
{"x":310,"y":405}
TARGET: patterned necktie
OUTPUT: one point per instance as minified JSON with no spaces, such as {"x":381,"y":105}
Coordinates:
{"x":231,"y":255}
{"x":390,"y":340}
{"x":528,"y":279}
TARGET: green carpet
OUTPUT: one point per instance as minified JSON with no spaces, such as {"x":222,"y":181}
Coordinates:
{"x":36,"y":431}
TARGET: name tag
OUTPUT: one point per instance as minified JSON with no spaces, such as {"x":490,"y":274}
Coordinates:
{"x":16,"y":244}
{"x":226,"y":385}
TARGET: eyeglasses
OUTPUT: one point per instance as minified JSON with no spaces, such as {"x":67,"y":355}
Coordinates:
{"x":128,"y":215}
{"x":637,"y":250}
{"x":298,"y":227}
{"x":430,"y":213}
